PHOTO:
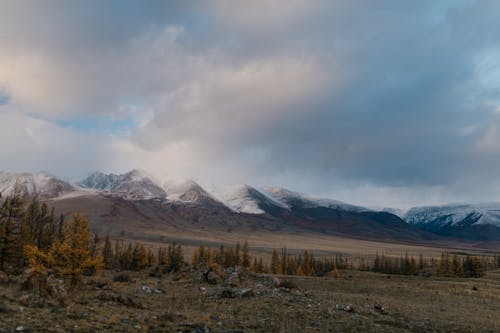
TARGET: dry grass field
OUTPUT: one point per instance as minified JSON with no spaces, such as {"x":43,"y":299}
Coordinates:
{"x":182,"y":303}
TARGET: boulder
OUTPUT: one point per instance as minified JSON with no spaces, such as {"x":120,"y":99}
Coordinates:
{"x":380,"y":308}
{"x":348,"y":308}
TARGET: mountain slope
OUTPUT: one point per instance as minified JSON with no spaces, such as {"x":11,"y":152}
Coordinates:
{"x":132,"y":185}
{"x":190,"y":193}
{"x":246,"y":199}
{"x":34,"y":184}
{"x":470,"y":221}
{"x":293,"y":199}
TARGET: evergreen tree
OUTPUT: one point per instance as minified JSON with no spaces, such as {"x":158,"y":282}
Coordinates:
{"x":11,"y":242}
{"x":245,"y":261}
{"x":108,"y":255}
{"x":275,"y":262}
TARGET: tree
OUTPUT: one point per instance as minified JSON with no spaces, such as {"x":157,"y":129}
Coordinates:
{"x":11,"y":242}
{"x":237,"y":258}
{"x":245,"y":260}
{"x":275,"y":262}
{"x":108,"y":254}
{"x":457,"y":267}
{"x":139,"y":257}
{"x":73,"y":254}
{"x":473,"y":267}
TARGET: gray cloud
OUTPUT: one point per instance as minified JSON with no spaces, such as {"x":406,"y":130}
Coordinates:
{"x":384,"y":103}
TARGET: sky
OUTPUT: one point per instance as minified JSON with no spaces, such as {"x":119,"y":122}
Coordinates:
{"x":387,"y":103}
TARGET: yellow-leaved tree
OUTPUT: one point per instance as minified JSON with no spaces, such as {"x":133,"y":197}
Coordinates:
{"x":69,"y":256}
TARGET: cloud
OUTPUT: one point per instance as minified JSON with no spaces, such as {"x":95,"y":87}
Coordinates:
{"x":388,"y":103}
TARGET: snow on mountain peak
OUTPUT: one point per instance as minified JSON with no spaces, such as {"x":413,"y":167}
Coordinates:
{"x":247,"y":199}
{"x":187,"y":191}
{"x":292,"y":198}
{"x":40,"y":184}
{"x":135,"y":184}
{"x":455,"y":214}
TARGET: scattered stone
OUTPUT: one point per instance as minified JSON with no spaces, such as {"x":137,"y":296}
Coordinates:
{"x":20,"y":329}
{"x":348,"y":308}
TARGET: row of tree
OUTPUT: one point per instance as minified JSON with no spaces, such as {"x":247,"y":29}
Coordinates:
{"x":136,"y":257}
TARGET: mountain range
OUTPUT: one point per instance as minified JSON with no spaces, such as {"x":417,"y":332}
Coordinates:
{"x":136,"y":203}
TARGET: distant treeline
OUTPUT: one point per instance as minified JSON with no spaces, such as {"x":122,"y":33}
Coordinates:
{"x":447,"y":265}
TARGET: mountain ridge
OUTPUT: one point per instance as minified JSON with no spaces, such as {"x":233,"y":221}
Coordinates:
{"x":270,"y":205}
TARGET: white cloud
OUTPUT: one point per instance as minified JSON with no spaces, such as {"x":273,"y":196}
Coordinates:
{"x":313,"y":96}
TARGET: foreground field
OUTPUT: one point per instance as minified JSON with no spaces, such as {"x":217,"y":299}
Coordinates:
{"x":352,"y":302}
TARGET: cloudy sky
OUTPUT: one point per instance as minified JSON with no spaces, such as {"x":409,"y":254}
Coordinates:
{"x":386,"y":103}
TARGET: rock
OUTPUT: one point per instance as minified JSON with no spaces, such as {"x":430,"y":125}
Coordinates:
{"x":4,"y":278}
{"x":20,"y":329}
{"x":247,"y":292}
{"x":379,"y":308}
{"x":149,"y":290}
{"x":348,"y":308}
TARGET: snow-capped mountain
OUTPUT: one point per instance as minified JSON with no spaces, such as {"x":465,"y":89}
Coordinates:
{"x":135,"y":184}
{"x":36,"y":184}
{"x":438,"y":217}
{"x":291,"y":199}
{"x":188,"y":191}
{"x":246,"y":199}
